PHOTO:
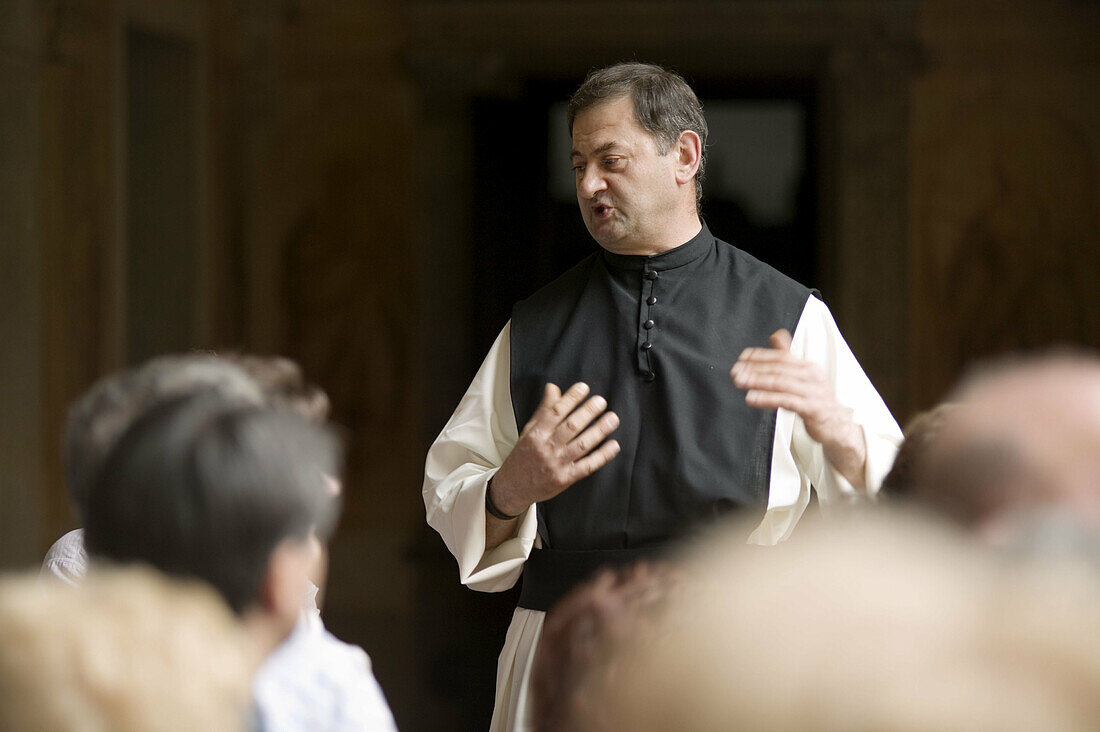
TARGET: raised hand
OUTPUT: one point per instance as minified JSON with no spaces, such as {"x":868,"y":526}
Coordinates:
{"x":774,"y":378}
{"x":561,"y":444}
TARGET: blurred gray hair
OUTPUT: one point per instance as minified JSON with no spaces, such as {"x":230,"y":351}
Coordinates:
{"x":106,"y":410}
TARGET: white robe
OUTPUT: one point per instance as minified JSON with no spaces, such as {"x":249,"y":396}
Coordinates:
{"x":483,"y":430}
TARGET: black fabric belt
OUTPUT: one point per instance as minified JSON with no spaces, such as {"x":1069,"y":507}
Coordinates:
{"x":550,"y":574}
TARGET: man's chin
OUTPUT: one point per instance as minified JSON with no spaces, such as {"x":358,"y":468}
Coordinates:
{"x":606,"y":234}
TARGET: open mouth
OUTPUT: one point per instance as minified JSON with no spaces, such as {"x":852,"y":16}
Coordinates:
{"x":601,"y":209}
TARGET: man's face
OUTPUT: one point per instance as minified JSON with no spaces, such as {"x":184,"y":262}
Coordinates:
{"x":627,"y":191}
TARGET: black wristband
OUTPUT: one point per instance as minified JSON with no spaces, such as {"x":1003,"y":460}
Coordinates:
{"x":492,"y":507}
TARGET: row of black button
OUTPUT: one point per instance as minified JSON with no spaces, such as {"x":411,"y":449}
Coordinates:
{"x":648,"y":376}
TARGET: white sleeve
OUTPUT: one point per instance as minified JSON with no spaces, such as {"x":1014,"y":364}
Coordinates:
{"x":797,"y":460}
{"x":818,"y":339}
{"x":472,"y":446}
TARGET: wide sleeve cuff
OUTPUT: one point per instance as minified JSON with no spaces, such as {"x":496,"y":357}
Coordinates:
{"x":467,"y":453}
{"x":498,"y":568}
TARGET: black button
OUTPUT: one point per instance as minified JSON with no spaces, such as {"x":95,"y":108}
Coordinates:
{"x":651,"y":300}
{"x":648,"y":324}
{"x":646,"y":346}
{"x":651,"y":274}
{"x":649,"y":376}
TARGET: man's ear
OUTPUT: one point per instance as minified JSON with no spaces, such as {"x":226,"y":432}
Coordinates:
{"x":689,"y":154}
{"x":284,"y":580}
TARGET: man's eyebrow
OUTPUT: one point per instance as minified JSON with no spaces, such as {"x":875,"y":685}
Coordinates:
{"x":606,"y":147}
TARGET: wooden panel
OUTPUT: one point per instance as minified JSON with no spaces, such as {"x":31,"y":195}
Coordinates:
{"x":21,"y":525}
{"x":80,"y":327}
{"x":1006,"y":185}
{"x":1006,"y":231}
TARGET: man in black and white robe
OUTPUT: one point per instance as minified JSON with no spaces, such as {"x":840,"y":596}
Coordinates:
{"x":620,"y":372}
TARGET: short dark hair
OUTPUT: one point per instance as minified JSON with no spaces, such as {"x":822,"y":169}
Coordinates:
{"x":664,"y":105}
{"x":201,"y":488}
{"x":104,"y":412}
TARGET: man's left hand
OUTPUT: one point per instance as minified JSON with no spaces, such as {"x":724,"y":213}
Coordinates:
{"x":773,"y":378}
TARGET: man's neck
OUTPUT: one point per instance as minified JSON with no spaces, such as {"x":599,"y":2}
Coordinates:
{"x":678,"y":234}
{"x":265,"y":630}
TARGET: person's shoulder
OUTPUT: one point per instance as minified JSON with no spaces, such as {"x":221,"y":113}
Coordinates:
{"x":67,"y":559}
{"x":339,"y":654}
{"x":70,"y":544}
{"x":566,"y":284}
{"x":747,"y":263}
{"x":316,"y":652}
{"x":314,"y":677}
{"x":748,"y":268}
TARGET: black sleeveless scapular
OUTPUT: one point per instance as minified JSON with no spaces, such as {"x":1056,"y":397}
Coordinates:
{"x":656,"y":336}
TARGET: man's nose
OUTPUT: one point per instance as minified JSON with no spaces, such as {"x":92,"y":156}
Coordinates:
{"x":591,"y":182}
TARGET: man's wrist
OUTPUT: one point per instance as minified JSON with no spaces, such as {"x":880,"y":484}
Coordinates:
{"x":493,"y":509}
{"x":848,"y":455}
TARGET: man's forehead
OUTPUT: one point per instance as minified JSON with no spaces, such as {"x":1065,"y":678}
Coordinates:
{"x":609,"y":146}
{"x":604,"y":124}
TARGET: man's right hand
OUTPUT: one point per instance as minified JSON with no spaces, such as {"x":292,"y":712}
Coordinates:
{"x":558,"y":446}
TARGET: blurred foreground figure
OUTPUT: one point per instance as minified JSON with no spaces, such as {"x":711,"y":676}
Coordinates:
{"x":606,"y":609}
{"x":241,"y":497}
{"x":130,"y":650}
{"x":1024,"y":441}
{"x":222,"y":493}
{"x":104,"y":412}
{"x":312,"y":680}
{"x":920,"y":434}
{"x":888,"y":626}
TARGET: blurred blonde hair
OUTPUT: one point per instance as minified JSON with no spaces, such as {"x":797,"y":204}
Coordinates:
{"x":879,"y":623}
{"x":128,"y":650}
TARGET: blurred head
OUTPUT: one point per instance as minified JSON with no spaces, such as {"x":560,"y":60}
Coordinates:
{"x":1025,"y":438}
{"x":283,"y":385}
{"x":876,"y":624}
{"x":127,"y":650}
{"x":639,"y":141}
{"x":577,"y":630}
{"x":920,"y":434}
{"x":99,"y":417}
{"x":225,"y":493}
